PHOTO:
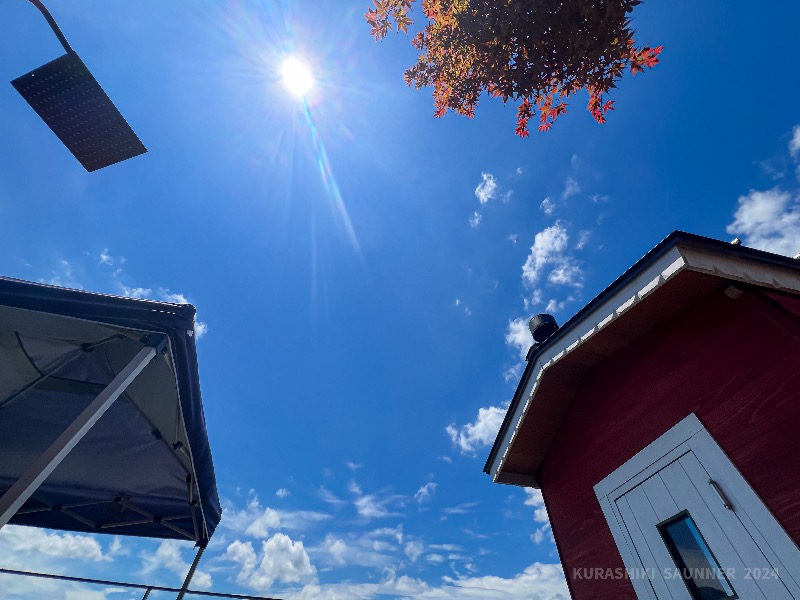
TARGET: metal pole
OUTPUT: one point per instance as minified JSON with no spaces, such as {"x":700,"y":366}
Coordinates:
{"x":53,"y":25}
{"x":33,"y":477}
{"x":190,"y":574}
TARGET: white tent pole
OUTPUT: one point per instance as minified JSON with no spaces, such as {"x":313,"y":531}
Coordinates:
{"x":33,"y":477}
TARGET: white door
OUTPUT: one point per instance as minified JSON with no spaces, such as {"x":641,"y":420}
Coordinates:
{"x":688,"y":526}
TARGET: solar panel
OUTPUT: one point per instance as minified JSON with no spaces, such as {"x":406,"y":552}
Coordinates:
{"x":71,"y":102}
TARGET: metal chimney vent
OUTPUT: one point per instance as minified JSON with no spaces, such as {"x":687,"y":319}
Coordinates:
{"x":542,"y":327}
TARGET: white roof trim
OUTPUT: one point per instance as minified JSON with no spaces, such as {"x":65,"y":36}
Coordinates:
{"x":679,"y":258}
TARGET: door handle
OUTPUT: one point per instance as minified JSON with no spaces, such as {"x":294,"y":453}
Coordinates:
{"x":725,"y":502}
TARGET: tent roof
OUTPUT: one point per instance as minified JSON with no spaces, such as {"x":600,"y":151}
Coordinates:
{"x":145,"y":468}
{"x":677,"y":272}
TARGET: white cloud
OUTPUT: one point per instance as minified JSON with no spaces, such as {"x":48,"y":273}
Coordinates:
{"x":174,"y":298}
{"x":487,"y":189}
{"x":460,"y":509}
{"x":200,"y":329}
{"x":548,"y":254}
{"x":768,"y":220}
{"x":537,"y":582}
{"x":571,"y":188}
{"x":353,"y":466}
{"x":328,"y":496}
{"x":136,"y":292}
{"x":566,"y":271}
{"x":169,"y":556}
{"x":370,"y":506}
{"x":475,"y":219}
{"x":257,"y":521}
{"x":425,"y":492}
{"x":535,"y":499}
{"x":414,"y":550}
{"x":21,"y":541}
{"x":336,"y":549}
{"x":554,"y":306}
{"x":794,"y":143}
{"x":283,"y":493}
{"x":512,"y":237}
{"x":547,"y":247}
{"x":281,"y":559}
{"x":260,"y":526}
{"x":464,"y":307}
{"x":353,"y":487}
{"x":378,"y":548}
{"x":519,"y":171}
{"x":479,"y":433}
{"x":583,"y":237}
{"x":106,"y":258}
{"x":518,"y":336}
{"x":547,"y":206}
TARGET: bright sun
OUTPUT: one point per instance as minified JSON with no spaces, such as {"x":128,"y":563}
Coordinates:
{"x":296,"y":76}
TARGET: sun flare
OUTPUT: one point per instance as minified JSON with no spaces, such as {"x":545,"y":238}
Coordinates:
{"x":296,"y":76}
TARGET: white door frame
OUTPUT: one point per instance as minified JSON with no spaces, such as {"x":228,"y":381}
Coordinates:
{"x":690,"y":435}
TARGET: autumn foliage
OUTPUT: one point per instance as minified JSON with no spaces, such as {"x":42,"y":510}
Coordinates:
{"x":535,"y":52}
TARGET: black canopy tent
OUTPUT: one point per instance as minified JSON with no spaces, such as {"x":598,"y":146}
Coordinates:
{"x":70,"y":358}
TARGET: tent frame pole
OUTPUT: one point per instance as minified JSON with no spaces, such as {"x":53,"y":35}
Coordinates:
{"x":43,"y":466}
{"x":185,"y":587}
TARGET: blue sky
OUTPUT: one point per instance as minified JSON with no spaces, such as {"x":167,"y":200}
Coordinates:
{"x":364,"y":273}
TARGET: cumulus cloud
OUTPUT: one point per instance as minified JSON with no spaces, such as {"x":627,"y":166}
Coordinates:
{"x":547,"y":247}
{"x":548,"y":254}
{"x":480,"y":432}
{"x":566,"y":271}
{"x":537,"y":582}
{"x":283,"y":493}
{"x":281,"y":559}
{"x":475,"y":219}
{"x":519,"y":337}
{"x":768,"y":220}
{"x":487,"y":189}
{"x":413,"y":550}
{"x":534,"y":498}
{"x":21,"y":541}
{"x":336,"y":549}
{"x":169,"y":556}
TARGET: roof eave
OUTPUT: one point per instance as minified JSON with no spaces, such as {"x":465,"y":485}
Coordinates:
{"x":678,"y":252}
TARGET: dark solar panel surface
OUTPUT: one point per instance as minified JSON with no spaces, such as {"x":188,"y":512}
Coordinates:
{"x":68,"y":98}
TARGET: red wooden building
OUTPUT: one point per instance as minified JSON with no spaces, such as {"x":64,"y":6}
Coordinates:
{"x":662,"y":425}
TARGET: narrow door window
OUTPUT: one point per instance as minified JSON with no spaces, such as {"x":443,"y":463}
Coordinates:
{"x":695,"y":562}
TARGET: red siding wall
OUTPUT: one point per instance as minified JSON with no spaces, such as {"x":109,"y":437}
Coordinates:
{"x":734,"y":363}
